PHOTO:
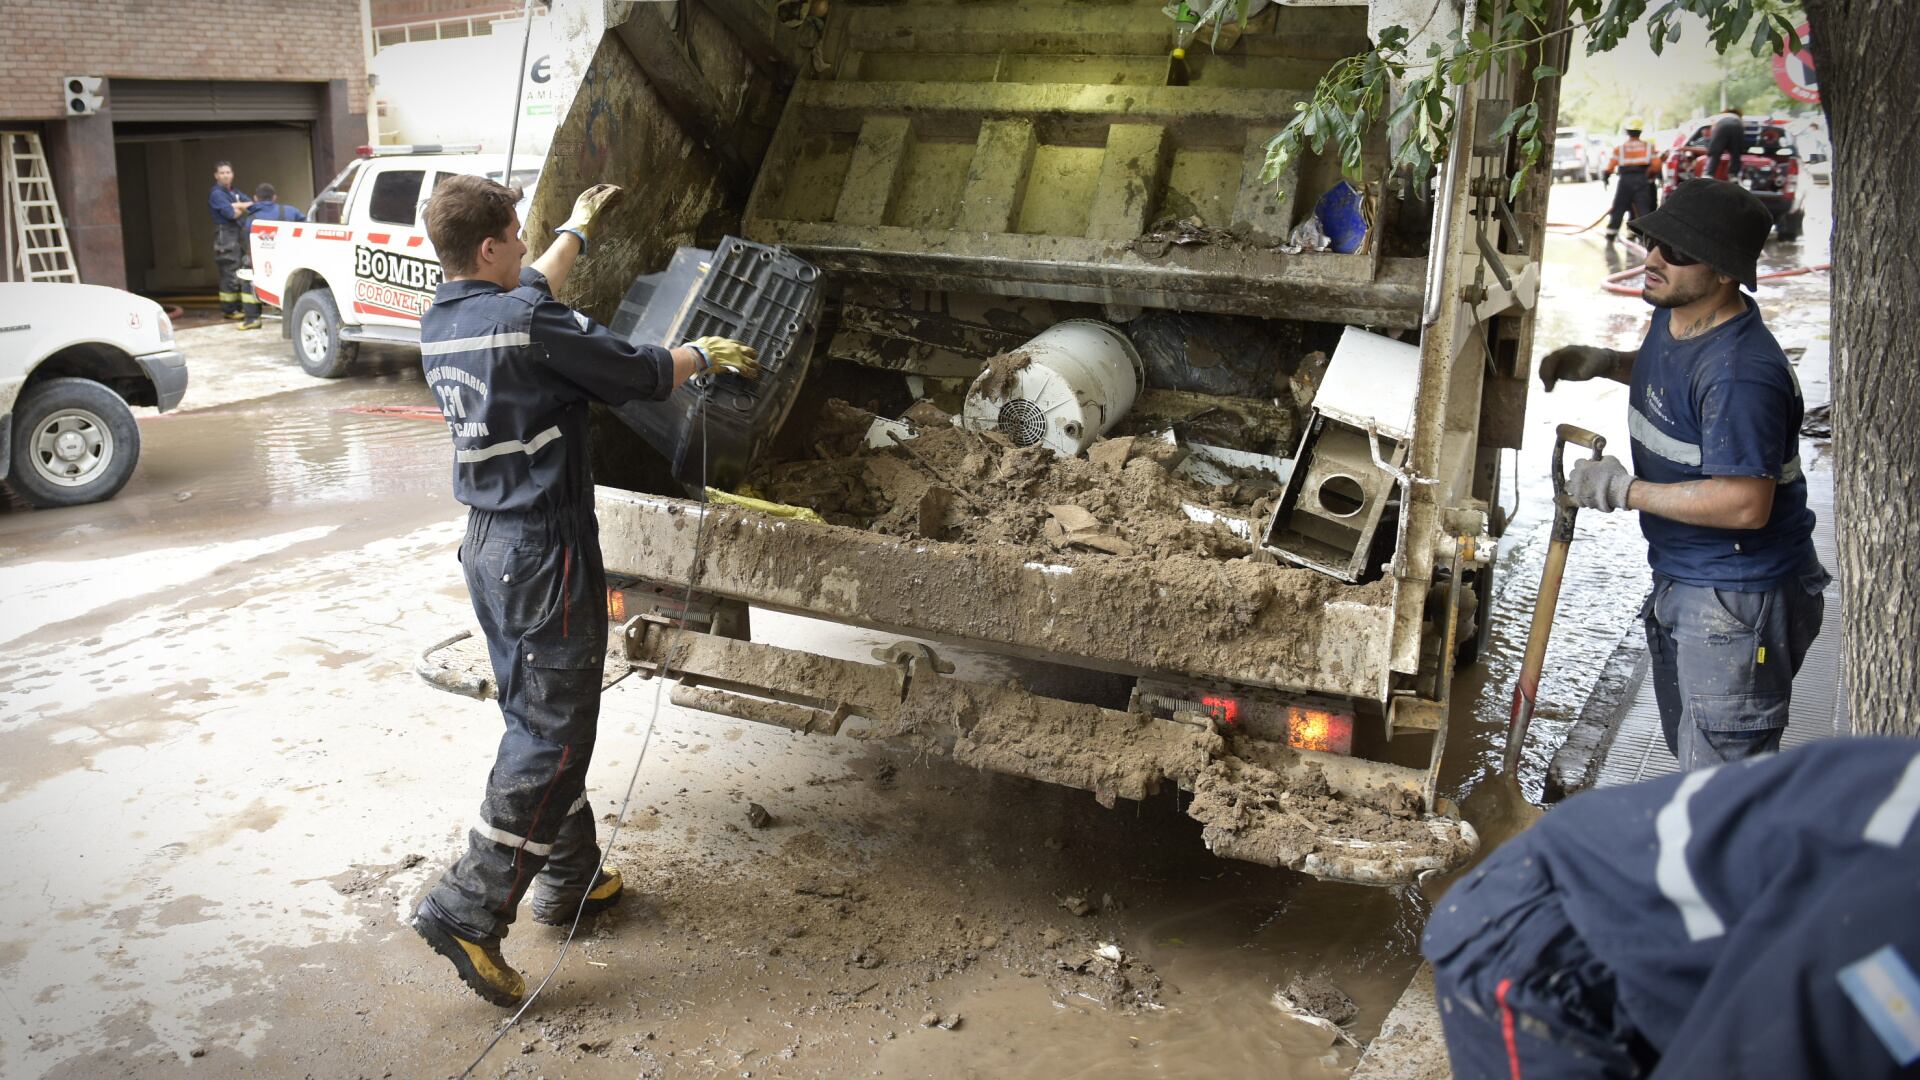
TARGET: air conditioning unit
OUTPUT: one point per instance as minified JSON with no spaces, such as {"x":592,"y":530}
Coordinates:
{"x":84,"y":94}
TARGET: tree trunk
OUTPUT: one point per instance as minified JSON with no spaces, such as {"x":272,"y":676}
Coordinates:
{"x":1869,"y":59}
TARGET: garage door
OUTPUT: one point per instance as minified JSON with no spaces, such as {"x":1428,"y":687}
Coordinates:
{"x":134,"y":100}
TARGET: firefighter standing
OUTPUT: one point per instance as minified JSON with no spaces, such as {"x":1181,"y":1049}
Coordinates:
{"x":229,"y":212}
{"x":514,"y":371}
{"x":1637,"y":164}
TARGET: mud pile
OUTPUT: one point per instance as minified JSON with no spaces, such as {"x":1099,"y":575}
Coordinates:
{"x":962,"y":486}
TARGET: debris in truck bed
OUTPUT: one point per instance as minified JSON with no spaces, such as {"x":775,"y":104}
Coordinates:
{"x":1119,"y":501}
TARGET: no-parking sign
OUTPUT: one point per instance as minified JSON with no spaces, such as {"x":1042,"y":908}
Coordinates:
{"x":1794,"y":71}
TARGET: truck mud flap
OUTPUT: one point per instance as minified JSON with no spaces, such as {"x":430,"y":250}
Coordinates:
{"x":1326,"y":815}
{"x":459,"y":665}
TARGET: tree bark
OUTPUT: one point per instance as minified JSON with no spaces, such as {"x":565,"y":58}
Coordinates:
{"x":1869,"y":56}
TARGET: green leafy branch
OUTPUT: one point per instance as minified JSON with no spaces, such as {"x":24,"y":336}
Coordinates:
{"x":1355,"y":94}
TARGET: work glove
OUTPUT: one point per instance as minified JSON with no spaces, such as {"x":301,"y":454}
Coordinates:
{"x":586,"y":208}
{"x":1575,"y":363}
{"x":726,"y":354}
{"x":1600,"y":485}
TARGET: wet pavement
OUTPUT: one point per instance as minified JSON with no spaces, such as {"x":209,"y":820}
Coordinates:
{"x":226,"y":787}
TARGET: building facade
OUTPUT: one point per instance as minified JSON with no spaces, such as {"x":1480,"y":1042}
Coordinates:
{"x":277,"y":87}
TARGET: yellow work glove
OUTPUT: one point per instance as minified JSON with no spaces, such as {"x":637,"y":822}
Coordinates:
{"x":586,"y":208}
{"x":726,"y":354}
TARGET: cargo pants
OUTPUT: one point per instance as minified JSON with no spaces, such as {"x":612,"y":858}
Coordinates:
{"x":229,"y":253}
{"x":539,"y":591}
{"x":1723,"y":662}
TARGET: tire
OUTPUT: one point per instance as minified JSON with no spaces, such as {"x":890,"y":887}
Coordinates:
{"x":316,"y":336}
{"x":74,"y":442}
{"x":1790,"y":226}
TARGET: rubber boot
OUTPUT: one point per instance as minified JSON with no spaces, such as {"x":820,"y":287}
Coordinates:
{"x":556,"y":908}
{"x":482,"y":967}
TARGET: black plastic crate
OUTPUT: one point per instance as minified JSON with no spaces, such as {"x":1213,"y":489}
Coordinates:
{"x":763,"y":296}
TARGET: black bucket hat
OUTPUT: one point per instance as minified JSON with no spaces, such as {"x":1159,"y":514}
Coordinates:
{"x":1720,"y":223}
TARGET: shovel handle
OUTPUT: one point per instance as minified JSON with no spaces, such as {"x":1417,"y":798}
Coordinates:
{"x":1578,"y":436}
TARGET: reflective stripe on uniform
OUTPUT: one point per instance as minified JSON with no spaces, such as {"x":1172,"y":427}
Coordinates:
{"x":579,"y":804}
{"x":1659,"y":442}
{"x":511,"y":840}
{"x":1685,"y":453}
{"x":502,"y":340}
{"x":510,"y":446}
{"x":1674,"y":828}
{"x":1889,"y":824}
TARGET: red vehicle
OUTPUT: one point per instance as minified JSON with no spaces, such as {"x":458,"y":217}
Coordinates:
{"x":1769,"y":166}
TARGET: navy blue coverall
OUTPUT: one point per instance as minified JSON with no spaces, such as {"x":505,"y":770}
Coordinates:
{"x":229,"y":244}
{"x":1754,"y":920}
{"x":514,"y":372}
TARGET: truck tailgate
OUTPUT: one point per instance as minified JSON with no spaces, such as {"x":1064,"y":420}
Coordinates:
{"x":1189,"y":617}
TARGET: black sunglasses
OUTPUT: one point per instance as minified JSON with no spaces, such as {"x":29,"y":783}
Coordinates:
{"x":1668,"y":252}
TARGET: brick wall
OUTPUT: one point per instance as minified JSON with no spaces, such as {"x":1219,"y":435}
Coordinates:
{"x":263,"y":40}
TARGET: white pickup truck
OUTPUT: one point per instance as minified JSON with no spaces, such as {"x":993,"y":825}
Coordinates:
{"x":73,"y":358}
{"x":362,"y":269}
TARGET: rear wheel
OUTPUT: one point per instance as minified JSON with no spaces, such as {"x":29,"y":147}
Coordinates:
{"x":316,"y":336}
{"x":74,"y":441}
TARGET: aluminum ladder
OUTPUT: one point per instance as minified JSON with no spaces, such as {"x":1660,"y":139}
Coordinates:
{"x":35,"y":232}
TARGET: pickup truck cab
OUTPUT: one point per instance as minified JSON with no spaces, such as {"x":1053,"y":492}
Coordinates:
{"x":73,"y":358}
{"x":362,"y":269}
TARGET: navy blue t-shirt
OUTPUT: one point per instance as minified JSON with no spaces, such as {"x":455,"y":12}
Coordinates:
{"x":1723,"y":404}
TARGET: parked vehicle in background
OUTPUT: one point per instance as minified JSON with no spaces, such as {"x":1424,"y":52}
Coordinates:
{"x":1571,"y":158}
{"x":1597,"y":151}
{"x":362,"y":269}
{"x":73,"y":359}
{"x":1816,"y":150}
{"x":1769,"y":166}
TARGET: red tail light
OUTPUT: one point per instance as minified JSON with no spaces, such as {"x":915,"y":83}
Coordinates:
{"x":1318,"y":729}
{"x":1223,"y":709}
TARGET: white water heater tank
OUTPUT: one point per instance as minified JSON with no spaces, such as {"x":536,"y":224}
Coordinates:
{"x":1063,"y":389}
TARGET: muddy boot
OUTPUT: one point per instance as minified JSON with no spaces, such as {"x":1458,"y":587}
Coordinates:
{"x":556,"y":907}
{"x":481,"y":967}
{"x":251,"y":324}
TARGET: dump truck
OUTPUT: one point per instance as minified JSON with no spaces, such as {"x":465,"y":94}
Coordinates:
{"x":965,"y":175}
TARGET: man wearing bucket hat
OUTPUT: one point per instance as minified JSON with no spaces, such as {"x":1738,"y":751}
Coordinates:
{"x":1714,"y":415}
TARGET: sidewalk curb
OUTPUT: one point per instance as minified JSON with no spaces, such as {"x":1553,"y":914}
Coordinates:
{"x":1576,"y":764}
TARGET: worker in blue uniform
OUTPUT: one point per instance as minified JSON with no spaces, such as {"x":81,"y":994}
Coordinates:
{"x":1714,"y":413}
{"x":514,"y":371}
{"x":265,"y":207}
{"x":229,"y":211}
{"x":1742,"y":921}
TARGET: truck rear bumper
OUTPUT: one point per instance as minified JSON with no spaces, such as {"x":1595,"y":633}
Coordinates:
{"x":1190,"y":618}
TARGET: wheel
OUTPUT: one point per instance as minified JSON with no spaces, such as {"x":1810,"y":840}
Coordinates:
{"x":1789,"y":227}
{"x":316,"y":336}
{"x":74,"y":441}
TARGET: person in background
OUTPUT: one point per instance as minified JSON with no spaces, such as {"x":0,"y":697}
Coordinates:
{"x":263,"y":208}
{"x":229,"y":212}
{"x":1725,"y":142}
{"x":1637,"y":163}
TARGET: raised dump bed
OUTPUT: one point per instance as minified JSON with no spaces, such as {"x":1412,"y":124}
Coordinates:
{"x":967,"y":174}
